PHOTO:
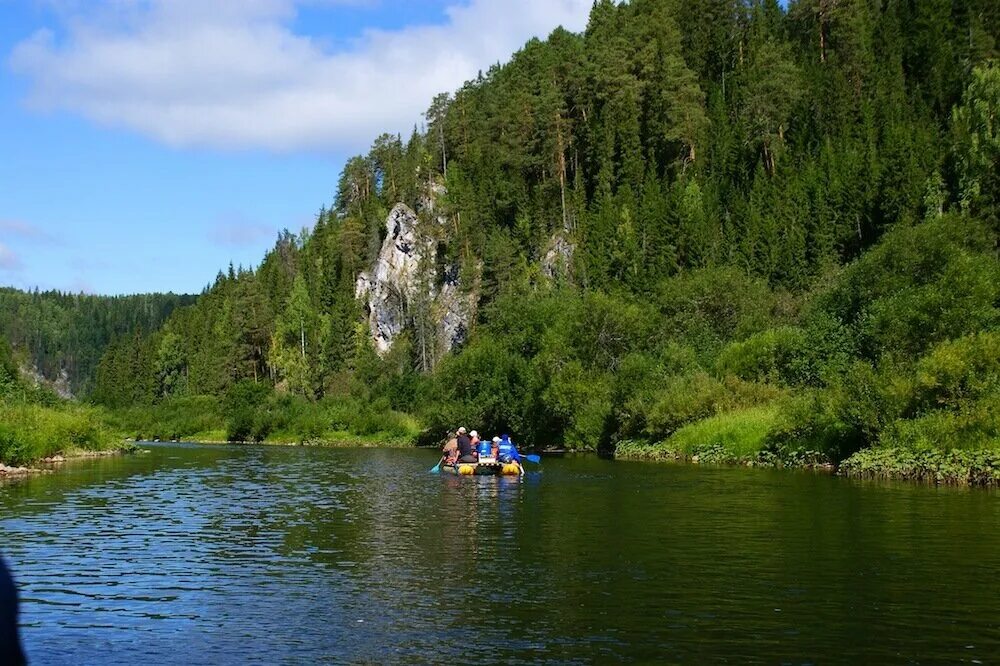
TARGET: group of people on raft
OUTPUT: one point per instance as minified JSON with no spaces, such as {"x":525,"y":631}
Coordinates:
{"x":467,"y":447}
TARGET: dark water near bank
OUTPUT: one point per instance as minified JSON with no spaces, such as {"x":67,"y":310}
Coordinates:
{"x":190,"y":555}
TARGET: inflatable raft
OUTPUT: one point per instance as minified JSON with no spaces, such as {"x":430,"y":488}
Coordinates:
{"x":485,"y":467}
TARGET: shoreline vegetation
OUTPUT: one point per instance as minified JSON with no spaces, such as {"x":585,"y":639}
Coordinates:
{"x":690,"y":232}
{"x":36,"y":424}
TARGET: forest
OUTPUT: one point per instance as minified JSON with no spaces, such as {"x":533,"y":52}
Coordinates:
{"x":725,"y":231}
{"x":63,"y":336}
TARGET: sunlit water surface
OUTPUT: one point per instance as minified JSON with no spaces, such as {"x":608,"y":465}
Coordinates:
{"x":207,"y":554}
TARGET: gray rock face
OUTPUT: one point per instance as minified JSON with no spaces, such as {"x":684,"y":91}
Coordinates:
{"x":403,"y":275}
{"x":558,"y":257}
{"x":453,"y":310}
{"x":388,"y":287}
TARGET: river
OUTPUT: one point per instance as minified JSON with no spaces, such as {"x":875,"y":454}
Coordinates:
{"x":192,"y":554}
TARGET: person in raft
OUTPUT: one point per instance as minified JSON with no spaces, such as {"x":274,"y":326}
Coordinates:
{"x":508,"y":452}
{"x":466,"y":452}
{"x":449,"y":453}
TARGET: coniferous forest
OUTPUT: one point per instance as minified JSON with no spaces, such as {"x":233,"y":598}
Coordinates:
{"x":721,"y":230}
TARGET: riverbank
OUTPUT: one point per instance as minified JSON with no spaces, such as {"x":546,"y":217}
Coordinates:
{"x":268,"y":418}
{"x":328,"y":440}
{"x":53,"y":462}
{"x":32,"y":432}
{"x":956,"y":467}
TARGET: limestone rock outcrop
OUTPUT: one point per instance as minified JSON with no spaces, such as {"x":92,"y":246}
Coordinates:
{"x":403,"y":278}
{"x":391,"y":283}
{"x":558,"y":258}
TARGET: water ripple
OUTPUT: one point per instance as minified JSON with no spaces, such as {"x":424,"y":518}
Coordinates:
{"x":209,"y":554}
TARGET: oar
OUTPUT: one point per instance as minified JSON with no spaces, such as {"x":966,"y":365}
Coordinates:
{"x":436,"y":468}
{"x":532,"y":458}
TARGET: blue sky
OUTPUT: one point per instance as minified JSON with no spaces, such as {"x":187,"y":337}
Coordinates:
{"x":147,"y":143}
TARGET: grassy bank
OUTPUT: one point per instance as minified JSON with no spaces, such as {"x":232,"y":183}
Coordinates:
{"x":758,"y":437}
{"x":30,"y":432}
{"x":36,"y":424}
{"x":741,"y":437}
{"x":249,"y":414}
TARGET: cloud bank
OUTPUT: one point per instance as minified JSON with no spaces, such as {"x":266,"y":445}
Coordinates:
{"x":233,"y":74}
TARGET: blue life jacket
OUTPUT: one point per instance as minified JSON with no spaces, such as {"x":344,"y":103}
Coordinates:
{"x":483,"y":448}
{"x":508,"y":452}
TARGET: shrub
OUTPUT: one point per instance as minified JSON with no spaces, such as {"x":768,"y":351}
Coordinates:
{"x":919,"y":286}
{"x":958,"y":371}
{"x":774,"y":355}
{"x":708,"y":307}
{"x":683,"y":399}
{"x":975,"y":425}
{"x":30,"y":431}
{"x":809,"y":423}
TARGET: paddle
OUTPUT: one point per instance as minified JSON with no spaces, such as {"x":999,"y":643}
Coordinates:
{"x":532,"y":458}
{"x":436,"y":468}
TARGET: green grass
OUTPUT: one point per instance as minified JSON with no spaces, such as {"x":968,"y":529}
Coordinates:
{"x":29,"y":432}
{"x":737,"y":436}
{"x":729,"y":438}
{"x":280,"y":419}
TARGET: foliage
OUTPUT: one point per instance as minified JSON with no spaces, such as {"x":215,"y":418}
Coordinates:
{"x":35,"y":423}
{"x":65,"y":335}
{"x":731,"y":437}
{"x":774,"y":355}
{"x":974,"y":467}
{"x":783,"y":222}
{"x":31,"y":431}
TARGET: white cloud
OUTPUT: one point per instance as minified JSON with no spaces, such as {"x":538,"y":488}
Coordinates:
{"x":20,"y":229}
{"x":232,"y":74}
{"x":9,"y":261}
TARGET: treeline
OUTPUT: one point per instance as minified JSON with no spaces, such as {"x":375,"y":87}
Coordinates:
{"x":655,"y":217}
{"x":63,"y":336}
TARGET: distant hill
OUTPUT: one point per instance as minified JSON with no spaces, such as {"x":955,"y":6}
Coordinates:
{"x":61,"y":337}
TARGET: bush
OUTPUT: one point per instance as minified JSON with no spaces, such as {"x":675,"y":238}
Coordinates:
{"x":681,"y":400}
{"x":959,"y":371}
{"x":29,"y":431}
{"x":975,"y":425}
{"x":708,"y":307}
{"x":775,"y":355}
{"x":919,"y":286}
{"x":809,"y":424}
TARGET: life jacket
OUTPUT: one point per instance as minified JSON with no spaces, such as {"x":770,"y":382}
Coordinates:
{"x":508,"y":452}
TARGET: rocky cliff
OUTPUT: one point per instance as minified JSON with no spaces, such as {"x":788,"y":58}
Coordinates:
{"x":403,"y":285}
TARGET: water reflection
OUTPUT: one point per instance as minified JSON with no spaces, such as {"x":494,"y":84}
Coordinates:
{"x":273,"y":555}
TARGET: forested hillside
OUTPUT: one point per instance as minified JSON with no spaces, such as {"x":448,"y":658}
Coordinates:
{"x":63,"y":336}
{"x":713,"y":228}
{"x":35,"y":422}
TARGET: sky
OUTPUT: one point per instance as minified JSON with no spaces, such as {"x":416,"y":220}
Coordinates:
{"x":146,"y":144}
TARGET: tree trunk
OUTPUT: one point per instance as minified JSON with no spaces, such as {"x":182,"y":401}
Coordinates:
{"x":562,"y":170}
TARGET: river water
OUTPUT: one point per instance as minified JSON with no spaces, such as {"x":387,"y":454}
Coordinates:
{"x":211,"y":554}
